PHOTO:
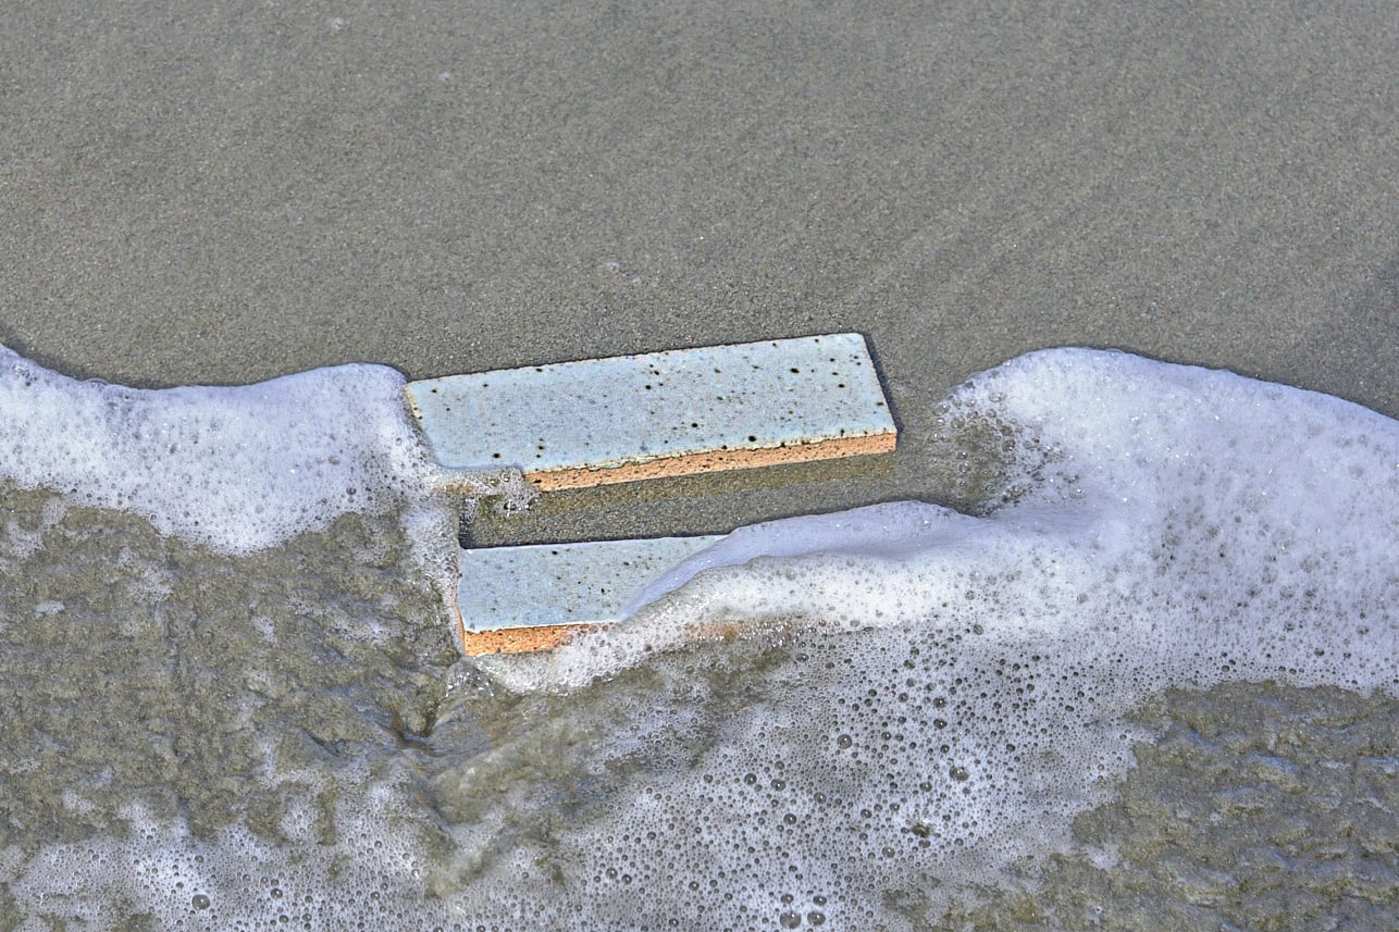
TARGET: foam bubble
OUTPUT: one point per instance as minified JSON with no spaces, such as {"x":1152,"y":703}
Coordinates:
{"x":236,"y":468}
{"x":834,"y":720}
{"x":948,"y":691}
{"x":237,"y":879}
{"x":1170,"y":497}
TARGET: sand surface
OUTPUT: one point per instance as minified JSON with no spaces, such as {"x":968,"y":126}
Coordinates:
{"x":230,"y":192}
{"x":221,"y":193}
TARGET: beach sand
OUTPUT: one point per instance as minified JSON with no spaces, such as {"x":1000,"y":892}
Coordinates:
{"x":226,"y":194}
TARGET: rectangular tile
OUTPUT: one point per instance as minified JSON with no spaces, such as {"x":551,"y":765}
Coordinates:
{"x":671,"y":413}
{"x":513,"y":599}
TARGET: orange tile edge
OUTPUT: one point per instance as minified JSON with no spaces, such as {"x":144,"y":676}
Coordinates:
{"x":689,"y":464}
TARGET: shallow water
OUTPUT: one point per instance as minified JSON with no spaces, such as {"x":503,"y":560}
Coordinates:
{"x":1149,"y":683}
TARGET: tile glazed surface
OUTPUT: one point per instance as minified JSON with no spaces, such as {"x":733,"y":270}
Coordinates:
{"x":694,"y":410}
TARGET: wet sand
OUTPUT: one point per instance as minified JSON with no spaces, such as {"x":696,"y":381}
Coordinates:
{"x":228,"y":194}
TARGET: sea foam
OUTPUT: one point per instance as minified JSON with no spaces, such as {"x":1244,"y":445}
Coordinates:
{"x":1190,"y":505}
{"x":237,"y":468}
{"x":956,"y":688}
{"x":835,"y":719}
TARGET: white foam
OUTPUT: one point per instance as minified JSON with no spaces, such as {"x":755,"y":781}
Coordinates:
{"x":960,"y":687}
{"x":234,"y":880}
{"x":1170,"y":496}
{"x":953,"y":689}
{"x":236,"y":468}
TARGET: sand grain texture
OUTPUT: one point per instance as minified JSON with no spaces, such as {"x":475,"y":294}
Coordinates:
{"x":224,"y":195}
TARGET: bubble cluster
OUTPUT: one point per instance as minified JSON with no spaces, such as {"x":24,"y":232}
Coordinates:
{"x":236,"y":468}
{"x":839,"y":721}
{"x":237,"y":879}
{"x":959,"y":685}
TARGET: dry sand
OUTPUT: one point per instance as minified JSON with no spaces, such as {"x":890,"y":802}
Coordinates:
{"x":231,"y":192}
